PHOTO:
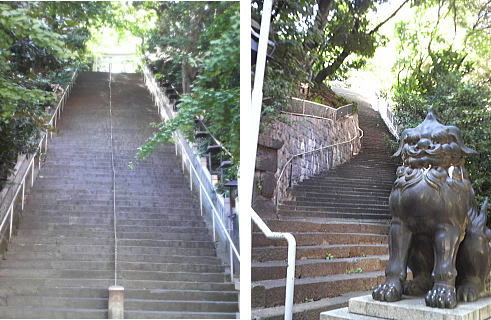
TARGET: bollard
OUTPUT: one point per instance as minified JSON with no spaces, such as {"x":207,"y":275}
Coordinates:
{"x":115,"y":304}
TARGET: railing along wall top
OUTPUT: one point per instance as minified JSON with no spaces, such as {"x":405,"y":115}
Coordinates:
{"x":289,"y":161}
{"x":9,"y":213}
{"x":195,"y":170}
{"x":306,"y":108}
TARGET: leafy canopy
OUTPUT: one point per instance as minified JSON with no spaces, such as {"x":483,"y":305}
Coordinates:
{"x":199,"y":41}
{"x":437,"y":68}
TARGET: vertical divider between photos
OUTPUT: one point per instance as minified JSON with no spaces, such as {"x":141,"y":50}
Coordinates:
{"x":256,"y":104}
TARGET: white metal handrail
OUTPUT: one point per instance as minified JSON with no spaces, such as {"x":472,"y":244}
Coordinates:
{"x":251,"y":148}
{"x":165,"y":112}
{"x":21,"y":186}
{"x":283,"y":169}
{"x":388,"y":116}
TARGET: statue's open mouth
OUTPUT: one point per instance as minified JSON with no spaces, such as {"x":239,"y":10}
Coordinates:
{"x":413,"y":153}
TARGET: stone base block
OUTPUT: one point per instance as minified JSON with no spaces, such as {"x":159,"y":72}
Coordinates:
{"x":365,"y":308}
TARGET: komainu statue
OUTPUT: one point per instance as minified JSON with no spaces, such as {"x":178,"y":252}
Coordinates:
{"x":437,"y":229}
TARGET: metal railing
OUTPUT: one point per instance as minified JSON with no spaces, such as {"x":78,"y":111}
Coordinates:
{"x":388,"y":116}
{"x":21,"y":187}
{"x":306,"y":108}
{"x":197,"y":174}
{"x":320,"y":149}
{"x":120,"y":62}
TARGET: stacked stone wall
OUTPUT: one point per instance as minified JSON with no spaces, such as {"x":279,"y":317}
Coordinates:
{"x":298,"y":134}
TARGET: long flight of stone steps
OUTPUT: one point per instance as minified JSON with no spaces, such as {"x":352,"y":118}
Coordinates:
{"x":340,"y":222}
{"x":61,"y":262}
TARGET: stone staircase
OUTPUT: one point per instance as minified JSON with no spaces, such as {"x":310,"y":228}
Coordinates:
{"x":340,"y":222}
{"x":61,"y":262}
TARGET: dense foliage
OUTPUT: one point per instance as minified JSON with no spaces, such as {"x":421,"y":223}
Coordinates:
{"x":40,"y":45}
{"x":195,"y":46}
{"x":318,"y":40}
{"x":435,"y":70}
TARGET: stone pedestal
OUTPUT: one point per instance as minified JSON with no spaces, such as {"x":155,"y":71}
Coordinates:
{"x":365,"y":308}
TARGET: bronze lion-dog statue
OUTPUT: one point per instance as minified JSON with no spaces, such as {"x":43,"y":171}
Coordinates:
{"x":436,"y":230}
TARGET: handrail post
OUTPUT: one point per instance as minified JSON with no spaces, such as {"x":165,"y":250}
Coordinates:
{"x":213,"y":227}
{"x":11,"y":220}
{"x":32,"y":172}
{"x":23,"y":192}
{"x":231,"y":263}
{"x":190,"y":176}
{"x":200,"y":201}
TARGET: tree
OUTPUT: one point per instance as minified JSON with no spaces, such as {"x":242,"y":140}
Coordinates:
{"x":204,"y":38}
{"x":437,"y":69}
{"x":315,"y":38}
{"x":40,"y":43}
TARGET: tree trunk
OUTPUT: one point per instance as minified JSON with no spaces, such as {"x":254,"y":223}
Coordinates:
{"x":186,"y":77}
{"x":332,"y":68}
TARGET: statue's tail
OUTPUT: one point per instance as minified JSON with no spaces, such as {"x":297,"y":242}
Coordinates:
{"x":478,"y":221}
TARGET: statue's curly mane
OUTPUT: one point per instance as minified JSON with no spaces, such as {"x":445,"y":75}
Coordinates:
{"x":455,"y":177}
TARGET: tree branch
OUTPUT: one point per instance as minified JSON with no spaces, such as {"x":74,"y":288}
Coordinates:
{"x":390,"y":17}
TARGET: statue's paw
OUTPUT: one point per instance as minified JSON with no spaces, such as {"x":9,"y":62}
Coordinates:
{"x":387,"y":292}
{"x":441,"y":297}
{"x":416,"y":287}
{"x":468,"y":292}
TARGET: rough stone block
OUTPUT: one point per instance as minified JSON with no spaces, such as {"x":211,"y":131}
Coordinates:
{"x":268,"y":183}
{"x":343,"y":314}
{"x":416,"y":309}
{"x":267,"y":159}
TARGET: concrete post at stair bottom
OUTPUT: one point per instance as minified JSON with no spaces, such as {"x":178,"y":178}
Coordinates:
{"x":115,"y":305}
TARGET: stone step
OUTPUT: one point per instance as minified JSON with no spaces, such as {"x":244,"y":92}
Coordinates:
{"x":187,"y":202}
{"x":270,"y":293}
{"x":375,"y":183}
{"x":333,"y":214}
{"x":317,"y":267}
{"x":263,"y":254}
{"x":321,"y":194}
{"x":121,"y":193}
{"x":104,"y":212}
{"x":106,"y":173}
{"x":379,"y":190}
{"x":332,"y":178}
{"x":319,"y":206}
{"x":146,"y":239}
{"x":103,"y":274}
{"x":306,"y":310}
{"x":96,"y":184}
{"x":96,"y":187}
{"x":35,"y":222}
{"x":321,"y":238}
{"x":66,"y":313}
{"x":133,"y":257}
{"x":339,"y":200}
{"x":343,"y":314}
{"x":27,"y":235}
{"x":98,"y":292}
{"x":331,"y":226}
{"x":169,"y":248}
{"x":105,"y":283}
{"x":71,"y":229}
{"x":41,"y":195}
{"x":108,"y":265}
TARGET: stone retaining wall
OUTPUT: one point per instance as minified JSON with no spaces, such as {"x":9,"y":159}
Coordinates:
{"x":298,"y":134}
